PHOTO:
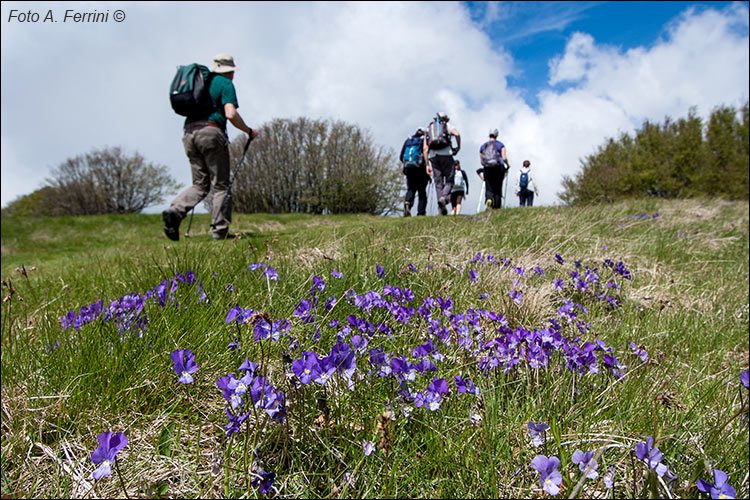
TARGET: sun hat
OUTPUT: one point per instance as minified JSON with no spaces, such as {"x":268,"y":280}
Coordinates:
{"x":493,"y":132}
{"x":223,"y":63}
{"x":443,"y":116}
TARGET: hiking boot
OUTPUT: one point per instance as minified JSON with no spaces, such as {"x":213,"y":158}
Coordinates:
{"x":488,"y":204}
{"x":441,"y":205}
{"x":171,"y":224}
{"x":407,"y":209}
{"x":228,"y":236}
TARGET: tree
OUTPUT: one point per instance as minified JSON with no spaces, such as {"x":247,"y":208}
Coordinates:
{"x":315,"y":166}
{"x":672,"y":160}
{"x":107,"y":181}
{"x":37,"y":203}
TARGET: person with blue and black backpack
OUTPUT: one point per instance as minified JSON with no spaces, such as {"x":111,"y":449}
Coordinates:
{"x":415,"y":170}
{"x":525,"y":187}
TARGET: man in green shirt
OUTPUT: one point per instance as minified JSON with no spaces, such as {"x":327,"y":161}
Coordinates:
{"x":207,"y":147}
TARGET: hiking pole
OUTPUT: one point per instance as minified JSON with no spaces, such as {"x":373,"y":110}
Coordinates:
{"x":481,"y":195}
{"x":505,"y":197}
{"x":190,"y":222}
{"x":228,"y":196}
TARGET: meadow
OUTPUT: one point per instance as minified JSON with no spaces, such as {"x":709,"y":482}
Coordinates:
{"x":591,"y":352}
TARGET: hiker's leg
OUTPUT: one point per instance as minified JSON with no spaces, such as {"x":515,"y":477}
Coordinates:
{"x":411,"y":188}
{"x":192,"y":195}
{"x":437,"y":177}
{"x":216,"y":151}
{"x":422,"y":193}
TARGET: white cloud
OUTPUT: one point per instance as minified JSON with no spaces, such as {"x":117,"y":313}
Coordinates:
{"x":388,"y":67}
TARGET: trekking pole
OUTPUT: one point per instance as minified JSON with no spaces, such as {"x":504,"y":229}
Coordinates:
{"x":481,"y":195}
{"x":505,"y":198}
{"x":190,"y":222}
{"x":228,"y":196}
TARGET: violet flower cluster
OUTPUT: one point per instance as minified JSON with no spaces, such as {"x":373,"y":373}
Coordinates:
{"x":126,"y":311}
{"x":249,"y":393}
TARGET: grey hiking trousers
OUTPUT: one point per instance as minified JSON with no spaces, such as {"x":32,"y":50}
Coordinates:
{"x":207,"y":148}
{"x":443,"y":175}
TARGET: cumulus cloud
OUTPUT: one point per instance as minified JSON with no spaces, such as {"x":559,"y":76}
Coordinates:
{"x":389,"y":67}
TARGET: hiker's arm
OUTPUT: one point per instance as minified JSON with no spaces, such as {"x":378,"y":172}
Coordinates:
{"x":458,"y":139}
{"x":502,"y":154}
{"x":230,"y":111}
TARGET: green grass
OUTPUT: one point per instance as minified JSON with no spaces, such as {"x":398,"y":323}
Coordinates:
{"x":687,"y":305}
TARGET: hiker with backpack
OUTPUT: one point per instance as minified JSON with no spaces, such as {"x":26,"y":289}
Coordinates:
{"x":525,"y":187}
{"x":460,"y":189}
{"x":208,"y":100}
{"x":415,"y":170}
{"x":494,"y":167}
{"x":437,"y":146}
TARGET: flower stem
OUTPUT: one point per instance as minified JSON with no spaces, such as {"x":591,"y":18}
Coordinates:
{"x":122,"y":483}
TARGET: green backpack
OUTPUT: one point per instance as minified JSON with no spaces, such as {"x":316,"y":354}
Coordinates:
{"x":189,"y":94}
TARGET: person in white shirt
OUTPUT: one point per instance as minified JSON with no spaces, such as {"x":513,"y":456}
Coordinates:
{"x":525,"y":186}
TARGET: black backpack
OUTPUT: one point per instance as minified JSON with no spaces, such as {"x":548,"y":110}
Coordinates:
{"x":189,"y":94}
{"x":438,"y":136}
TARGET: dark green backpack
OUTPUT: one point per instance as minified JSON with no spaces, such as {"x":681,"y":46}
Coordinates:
{"x":189,"y":94}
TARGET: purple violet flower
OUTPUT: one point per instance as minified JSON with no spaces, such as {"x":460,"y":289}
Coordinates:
{"x":184,"y":364}
{"x":306,"y":368}
{"x":720,"y":488}
{"x":271,"y":273}
{"x":745,"y":378}
{"x":264,"y":482}
{"x":586,"y":463}
{"x":550,"y":477}
{"x":609,"y":478}
{"x":110,"y":445}
{"x":537,"y":432}
{"x":651,"y":456}
{"x":369,"y":447}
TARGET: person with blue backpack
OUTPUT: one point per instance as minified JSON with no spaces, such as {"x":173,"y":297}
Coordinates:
{"x":525,"y":187}
{"x":415,"y":170}
{"x":495,"y":165}
{"x":208,"y":100}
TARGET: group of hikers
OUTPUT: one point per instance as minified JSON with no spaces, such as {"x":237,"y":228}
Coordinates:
{"x":429,"y":156}
{"x":208,"y":100}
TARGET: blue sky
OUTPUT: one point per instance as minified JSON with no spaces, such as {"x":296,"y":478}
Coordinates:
{"x":556,"y":78}
{"x":534,"y":32}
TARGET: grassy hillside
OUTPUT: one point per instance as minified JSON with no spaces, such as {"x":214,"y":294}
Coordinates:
{"x":395,"y":357}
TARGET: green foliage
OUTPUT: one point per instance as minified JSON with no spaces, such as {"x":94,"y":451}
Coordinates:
{"x":680,"y":159}
{"x":38,"y":203}
{"x":103,"y":181}
{"x":315,"y":166}
{"x":687,"y":306}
